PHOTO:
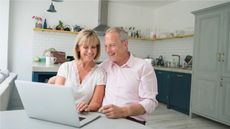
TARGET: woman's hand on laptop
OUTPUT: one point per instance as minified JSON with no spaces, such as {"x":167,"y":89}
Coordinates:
{"x":82,"y":106}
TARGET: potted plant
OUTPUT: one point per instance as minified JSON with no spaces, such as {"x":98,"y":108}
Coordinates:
{"x":38,"y":21}
{"x":60,"y":25}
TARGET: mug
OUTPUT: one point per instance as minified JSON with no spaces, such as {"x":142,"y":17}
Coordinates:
{"x":50,"y":60}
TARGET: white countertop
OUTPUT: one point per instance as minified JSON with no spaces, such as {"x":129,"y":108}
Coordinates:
{"x":42,"y":67}
{"x":17,"y":119}
{"x":180,"y":70}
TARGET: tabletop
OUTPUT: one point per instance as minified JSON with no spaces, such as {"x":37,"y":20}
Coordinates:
{"x":17,"y":119}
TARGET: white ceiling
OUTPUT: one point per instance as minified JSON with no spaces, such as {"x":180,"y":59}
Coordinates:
{"x":154,"y":4}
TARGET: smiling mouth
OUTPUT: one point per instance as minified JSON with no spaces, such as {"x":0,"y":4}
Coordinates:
{"x":111,"y":54}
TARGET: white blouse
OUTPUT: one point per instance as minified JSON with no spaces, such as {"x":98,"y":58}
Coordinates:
{"x":82,"y":92}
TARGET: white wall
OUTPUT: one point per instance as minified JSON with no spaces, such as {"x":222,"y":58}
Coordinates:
{"x":4,"y":22}
{"x":178,"y":16}
{"x":120,"y":14}
{"x":21,"y":27}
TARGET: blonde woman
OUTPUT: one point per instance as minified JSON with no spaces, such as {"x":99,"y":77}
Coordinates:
{"x":82,"y":74}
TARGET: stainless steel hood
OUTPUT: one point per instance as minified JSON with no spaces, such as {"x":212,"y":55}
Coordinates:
{"x":102,"y":18}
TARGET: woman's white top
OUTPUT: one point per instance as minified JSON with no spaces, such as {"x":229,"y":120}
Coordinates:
{"x":82,"y":92}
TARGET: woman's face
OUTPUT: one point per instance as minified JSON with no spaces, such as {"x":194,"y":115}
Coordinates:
{"x":88,"y":52}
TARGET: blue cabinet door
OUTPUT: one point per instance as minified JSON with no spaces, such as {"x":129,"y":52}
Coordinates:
{"x":163,"y":86}
{"x":180,"y":87}
{"x":42,"y":76}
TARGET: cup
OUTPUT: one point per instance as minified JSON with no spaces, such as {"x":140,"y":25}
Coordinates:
{"x":50,"y":60}
{"x":149,"y":61}
{"x":42,"y":59}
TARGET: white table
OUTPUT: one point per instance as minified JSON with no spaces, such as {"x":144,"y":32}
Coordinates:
{"x":17,"y":119}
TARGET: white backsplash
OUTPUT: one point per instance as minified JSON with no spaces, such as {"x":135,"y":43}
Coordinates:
{"x":180,"y":46}
{"x":60,"y":41}
{"x":140,"y":48}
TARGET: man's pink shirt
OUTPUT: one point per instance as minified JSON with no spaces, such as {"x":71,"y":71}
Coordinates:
{"x":133,"y":82}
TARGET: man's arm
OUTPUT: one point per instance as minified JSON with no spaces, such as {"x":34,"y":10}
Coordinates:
{"x":113,"y":111}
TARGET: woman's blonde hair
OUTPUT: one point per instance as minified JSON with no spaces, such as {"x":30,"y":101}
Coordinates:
{"x":86,"y":37}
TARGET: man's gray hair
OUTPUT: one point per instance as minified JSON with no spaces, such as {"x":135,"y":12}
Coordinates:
{"x":123,"y":35}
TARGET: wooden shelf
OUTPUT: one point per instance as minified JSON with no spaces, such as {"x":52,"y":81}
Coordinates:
{"x":54,"y":31}
{"x":166,"y":38}
{"x":147,"y":39}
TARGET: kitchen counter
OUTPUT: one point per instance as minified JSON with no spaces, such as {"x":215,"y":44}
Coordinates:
{"x":180,"y":70}
{"x":42,"y":67}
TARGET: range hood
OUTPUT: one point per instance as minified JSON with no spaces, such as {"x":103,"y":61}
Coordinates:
{"x":102,"y":18}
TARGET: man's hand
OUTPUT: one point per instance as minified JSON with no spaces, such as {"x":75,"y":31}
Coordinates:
{"x":113,"y":111}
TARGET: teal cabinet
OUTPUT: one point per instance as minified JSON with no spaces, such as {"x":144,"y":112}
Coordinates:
{"x":42,"y":76}
{"x":163,"y":86}
{"x":174,"y":90}
{"x":180,"y":87}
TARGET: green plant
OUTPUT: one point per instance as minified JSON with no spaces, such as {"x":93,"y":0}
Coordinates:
{"x":60,"y":25}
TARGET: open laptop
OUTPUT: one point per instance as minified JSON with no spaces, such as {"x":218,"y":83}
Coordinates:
{"x":52,"y":103}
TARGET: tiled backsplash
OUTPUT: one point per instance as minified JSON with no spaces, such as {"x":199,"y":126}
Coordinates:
{"x":180,"y":46}
{"x":140,"y":48}
{"x":59,"y":41}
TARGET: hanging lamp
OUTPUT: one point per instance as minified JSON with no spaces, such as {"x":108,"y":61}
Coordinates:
{"x":51,"y":8}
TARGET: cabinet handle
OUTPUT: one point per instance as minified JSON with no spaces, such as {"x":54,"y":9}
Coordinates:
{"x":178,"y":75}
{"x":219,"y":57}
{"x":222,"y":57}
{"x":221,"y":82}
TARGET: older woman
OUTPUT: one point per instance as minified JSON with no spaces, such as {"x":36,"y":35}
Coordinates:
{"x":82,"y":74}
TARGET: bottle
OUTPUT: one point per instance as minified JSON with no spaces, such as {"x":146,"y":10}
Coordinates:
{"x":45,"y":24}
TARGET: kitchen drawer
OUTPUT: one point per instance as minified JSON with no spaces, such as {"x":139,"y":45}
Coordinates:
{"x":42,"y":76}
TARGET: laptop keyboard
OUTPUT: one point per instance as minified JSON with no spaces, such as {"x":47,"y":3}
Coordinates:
{"x":81,"y":118}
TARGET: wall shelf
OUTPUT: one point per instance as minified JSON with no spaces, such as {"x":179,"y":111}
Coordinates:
{"x":165,"y":38}
{"x":54,"y":31}
{"x":147,"y":39}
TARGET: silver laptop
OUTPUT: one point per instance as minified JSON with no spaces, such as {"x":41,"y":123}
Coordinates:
{"x":52,"y":103}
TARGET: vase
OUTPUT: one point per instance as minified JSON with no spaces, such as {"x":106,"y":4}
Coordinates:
{"x":36,"y":24}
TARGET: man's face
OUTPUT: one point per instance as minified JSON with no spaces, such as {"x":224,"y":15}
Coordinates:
{"x":114,"y":47}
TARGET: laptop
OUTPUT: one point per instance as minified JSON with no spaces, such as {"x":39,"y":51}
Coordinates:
{"x":52,"y":103}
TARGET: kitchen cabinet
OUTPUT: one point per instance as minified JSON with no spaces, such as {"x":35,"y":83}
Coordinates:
{"x":210,"y":91}
{"x":174,"y":90}
{"x":180,"y":92}
{"x":42,"y":76}
{"x":163,"y":86}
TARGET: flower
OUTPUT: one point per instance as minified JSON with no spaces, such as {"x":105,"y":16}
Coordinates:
{"x":38,"y":21}
{"x":37,"y":18}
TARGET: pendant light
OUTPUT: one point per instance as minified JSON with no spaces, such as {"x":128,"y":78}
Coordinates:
{"x":51,"y":8}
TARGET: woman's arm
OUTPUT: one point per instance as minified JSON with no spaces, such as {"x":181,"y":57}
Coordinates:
{"x":97,"y":98}
{"x":95,"y":102}
{"x":59,"y":80}
{"x":52,"y":80}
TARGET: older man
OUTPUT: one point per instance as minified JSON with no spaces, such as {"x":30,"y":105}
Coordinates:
{"x":131,"y":86}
